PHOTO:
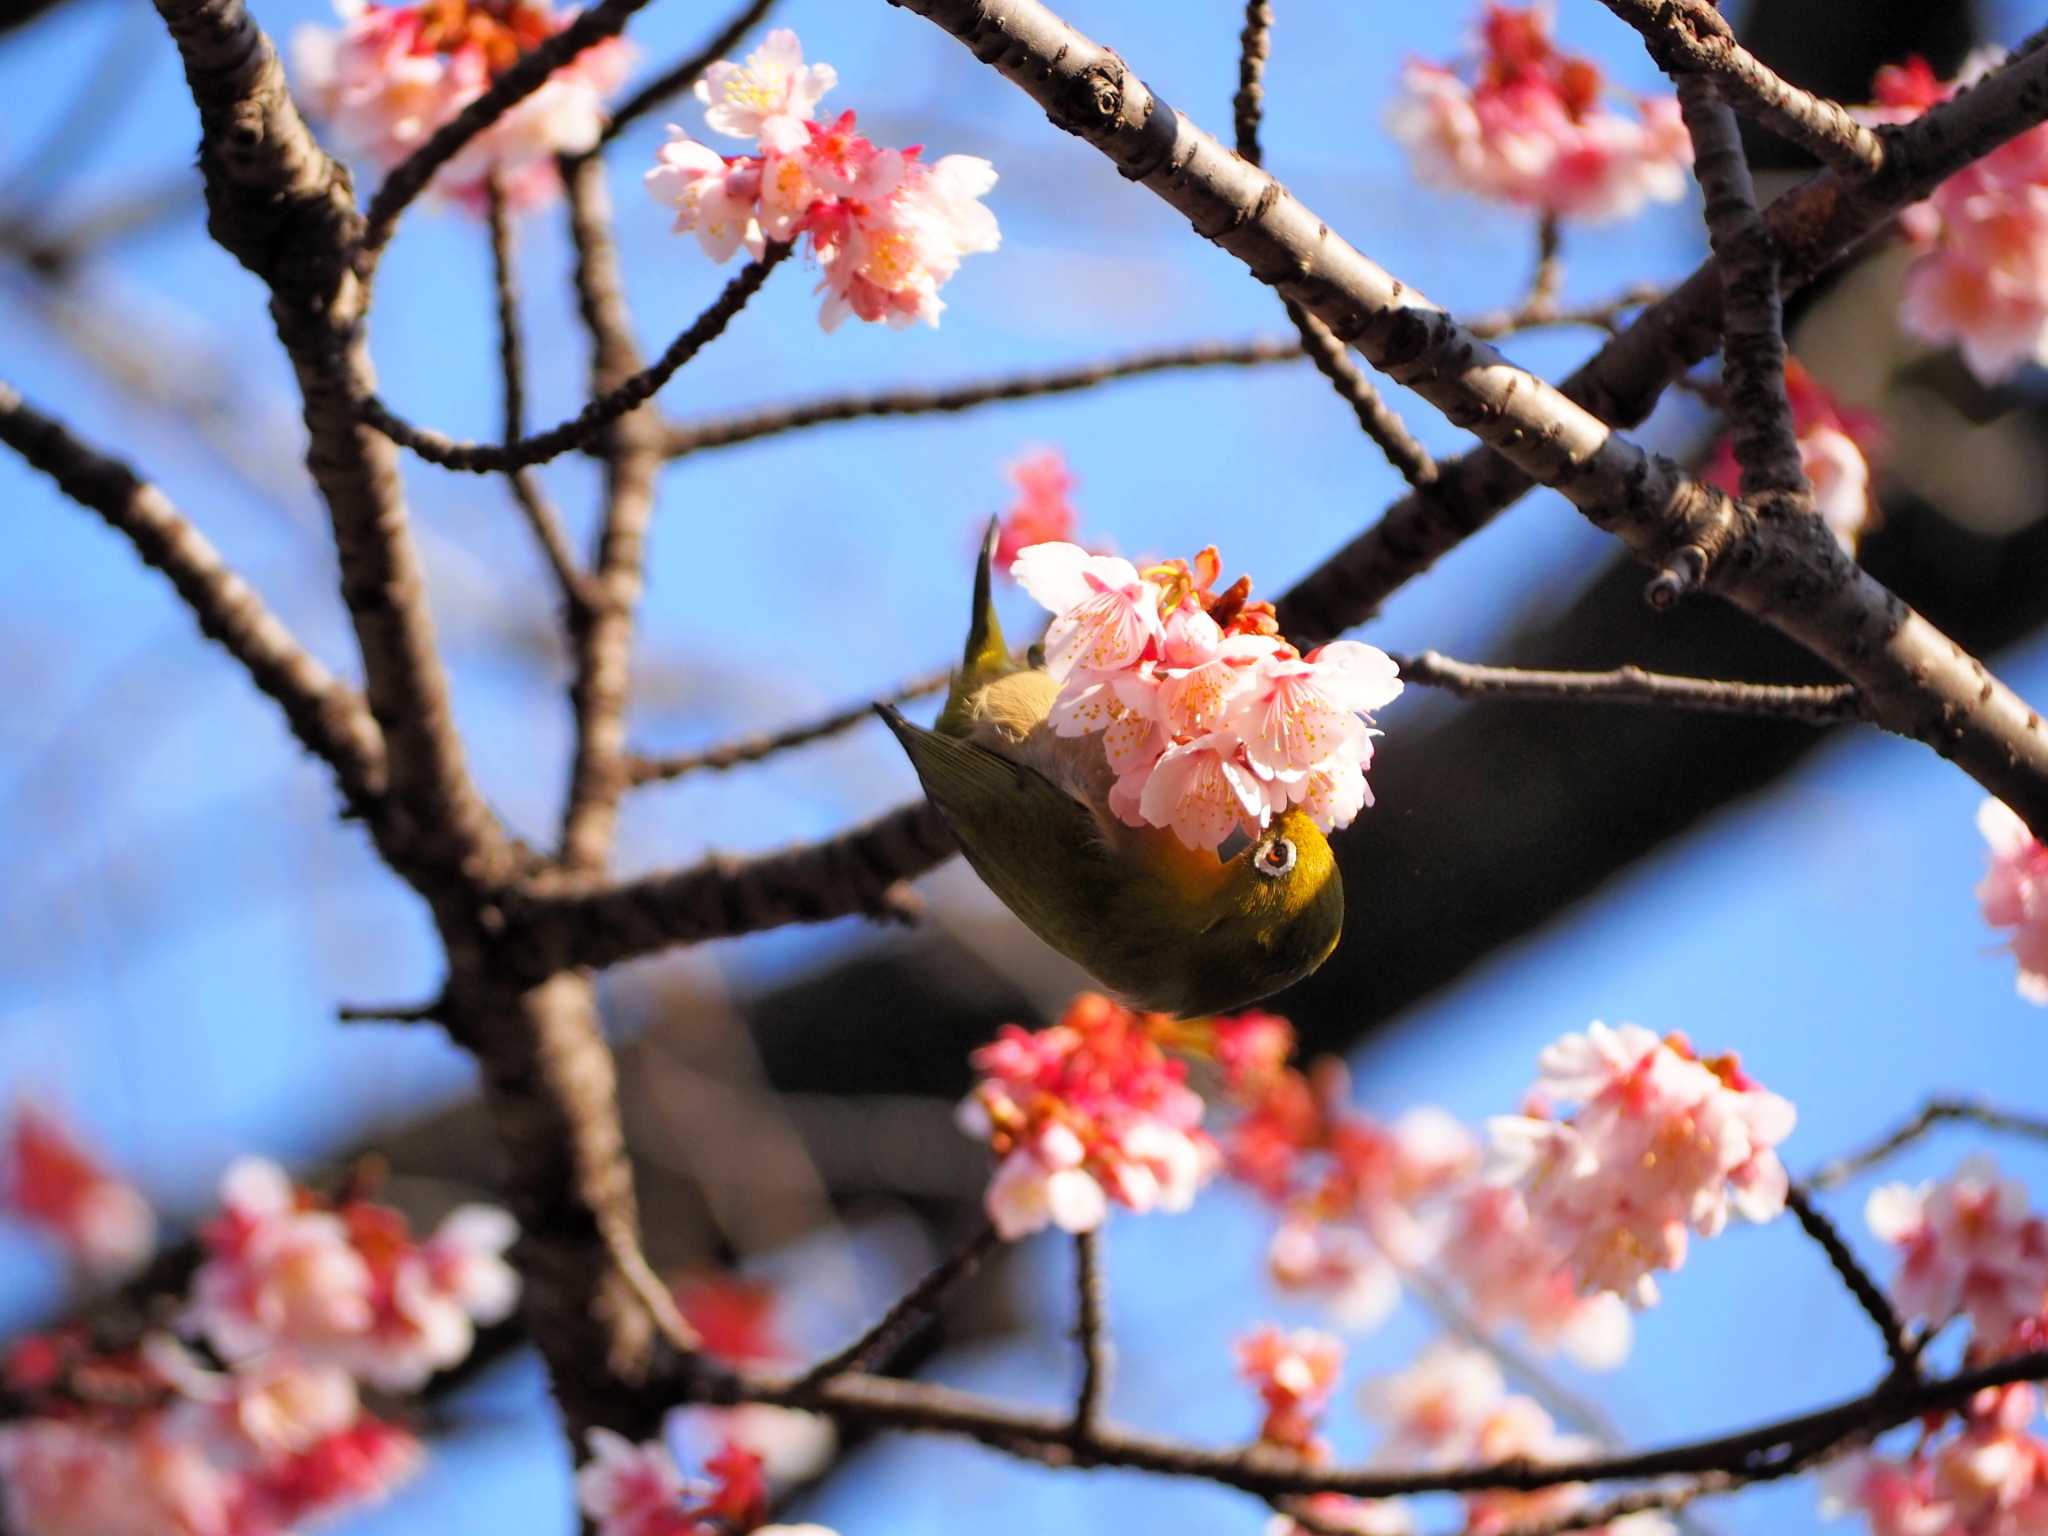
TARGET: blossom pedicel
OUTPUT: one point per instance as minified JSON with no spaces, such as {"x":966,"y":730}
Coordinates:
{"x":391,"y":75}
{"x":887,"y":227}
{"x":1532,"y":129}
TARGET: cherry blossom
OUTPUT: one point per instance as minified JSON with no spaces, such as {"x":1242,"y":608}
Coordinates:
{"x":1085,"y":1114}
{"x":1981,"y":280}
{"x":1663,"y":1142}
{"x":1969,"y":1246}
{"x":1211,"y":723}
{"x":1294,"y":1374}
{"x":2014,"y":893}
{"x":1043,"y":512}
{"x":347,"y":1284}
{"x":1509,"y":1270}
{"x":736,"y":1322}
{"x":391,"y":75}
{"x":887,"y":228}
{"x":637,"y":1490}
{"x":1836,"y":447}
{"x":51,"y":1181}
{"x":1532,"y":129}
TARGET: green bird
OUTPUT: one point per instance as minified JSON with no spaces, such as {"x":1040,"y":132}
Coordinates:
{"x":1162,"y":926}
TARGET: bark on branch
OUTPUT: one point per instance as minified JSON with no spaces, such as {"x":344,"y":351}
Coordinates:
{"x":1777,"y":567}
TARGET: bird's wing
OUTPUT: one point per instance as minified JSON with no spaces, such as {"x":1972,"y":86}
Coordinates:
{"x":1035,"y":845}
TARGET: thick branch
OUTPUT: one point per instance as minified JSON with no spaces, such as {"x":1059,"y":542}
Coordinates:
{"x":572,"y":922}
{"x":284,"y":210}
{"x":1691,"y":37}
{"x":724,"y":431}
{"x":1814,"y":224}
{"x":585,"y":426}
{"x":325,"y":714}
{"x":1779,"y":568}
{"x":632,"y":458}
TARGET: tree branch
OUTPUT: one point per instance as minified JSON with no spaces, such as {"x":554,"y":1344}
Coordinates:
{"x":326,"y":715}
{"x":1090,"y":1291}
{"x":752,"y":749}
{"x":1821,"y":704}
{"x":723,"y":431}
{"x":284,"y":210}
{"x":1934,"y":1112}
{"x":584,"y":427}
{"x":1690,"y":37}
{"x":1814,"y":224}
{"x":1856,"y":1279}
{"x":681,"y":77}
{"x":540,"y":514}
{"x":1783,"y":570}
{"x":917,"y":1307}
{"x":632,"y":457}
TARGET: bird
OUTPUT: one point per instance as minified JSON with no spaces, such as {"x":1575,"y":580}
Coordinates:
{"x":1163,"y":927}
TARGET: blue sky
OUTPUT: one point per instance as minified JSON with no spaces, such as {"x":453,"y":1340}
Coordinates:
{"x":183,"y":913}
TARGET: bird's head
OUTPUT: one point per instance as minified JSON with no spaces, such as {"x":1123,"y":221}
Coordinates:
{"x":1274,"y":917}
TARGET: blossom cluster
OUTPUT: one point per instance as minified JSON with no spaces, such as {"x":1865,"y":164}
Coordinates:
{"x":1989,"y":1478}
{"x":1043,"y":512}
{"x":1362,"y":1203}
{"x":1530,"y":127}
{"x":1452,"y":1409}
{"x":887,"y":228}
{"x":737,"y":1324}
{"x":302,"y":1303}
{"x":1211,"y":722}
{"x":346,"y":1284}
{"x":49,"y":1180}
{"x":2014,"y":893}
{"x":1836,"y":446}
{"x":1294,"y":1375}
{"x":391,"y":75}
{"x":1663,"y":1142}
{"x":1981,"y":279}
{"x":637,"y":1490}
{"x":1084,"y":1113}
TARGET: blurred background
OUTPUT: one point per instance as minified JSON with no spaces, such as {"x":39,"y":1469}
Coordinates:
{"x":182,"y":912}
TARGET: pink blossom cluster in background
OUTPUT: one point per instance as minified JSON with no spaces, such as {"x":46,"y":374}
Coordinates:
{"x":637,"y":1490}
{"x":347,"y":1284}
{"x":1530,"y":126}
{"x":304,"y":1301}
{"x":1969,"y":1247}
{"x":1294,"y":1375}
{"x":1837,"y":444}
{"x":1043,"y":512}
{"x":1212,"y":723}
{"x":1451,"y":1409}
{"x":1981,"y":281}
{"x":391,"y":75}
{"x":736,"y":1323}
{"x":2014,"y":893}
{"x":50,"y":1181}
{"x":1663,"y":1143}
{"x":1363,"y":1204}
{"x":1084,"y":1113}
{"x":887,"y":227}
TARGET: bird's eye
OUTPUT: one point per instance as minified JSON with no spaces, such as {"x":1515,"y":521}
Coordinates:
{"x":1275,"y":859}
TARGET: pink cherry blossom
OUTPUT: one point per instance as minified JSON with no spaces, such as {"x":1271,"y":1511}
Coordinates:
{"x":1299,"y":713}
{"x":631,"y":1490}
{"x":51,"y":1181}
{"x":1663,"y":1142}
{"x":887,"y":228}
{"x":1510,"y":1270}
{"x":1897,"y":1498}
{"x":1433,"y":1411}
{"x":1105,"y":613}
{"x":1981,"y":281}
{"x":391,"y":75}
{"x":1085,"y":1114}
{"x":1043,"y":512}
{"x":1836,"y":446}
{"x":1340,"y":1512}
{"x":1294,"y":1375}
{"x":2014,"y":893}
{"x":1203,"y":791}
{"x":745,"y":101}
{"x":1969,"y":1245}
{"x":1531,"y":128}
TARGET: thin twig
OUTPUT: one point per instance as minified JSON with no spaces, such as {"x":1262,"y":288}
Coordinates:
{"x":724,"y":431}
{"x":1090,"y":1332}
{"x":918,"y":1306}
{"x":1548,"y":276}
{"x":1604,"y":315}
{"x":1934,"y":1112}
{"x":1816,"y":704}
{"x":642,"y":769}
{"x":1691,"y":36}
{"x":1378,"y":420}
{"x":1869,"y":1295}
{"x":586,"y":424}
{"x":540,"y":514}
{"x":684,"y":75}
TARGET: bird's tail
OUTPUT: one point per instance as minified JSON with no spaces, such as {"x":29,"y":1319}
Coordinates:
{"x":987,"y":655}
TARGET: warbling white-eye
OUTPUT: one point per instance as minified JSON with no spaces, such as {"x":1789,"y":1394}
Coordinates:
{"x":1163,"y":926}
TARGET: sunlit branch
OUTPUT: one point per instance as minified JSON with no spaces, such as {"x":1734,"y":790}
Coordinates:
{"x":752,"y":749}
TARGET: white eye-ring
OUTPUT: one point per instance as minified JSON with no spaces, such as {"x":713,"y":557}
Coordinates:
{"x":1275,"y":859}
